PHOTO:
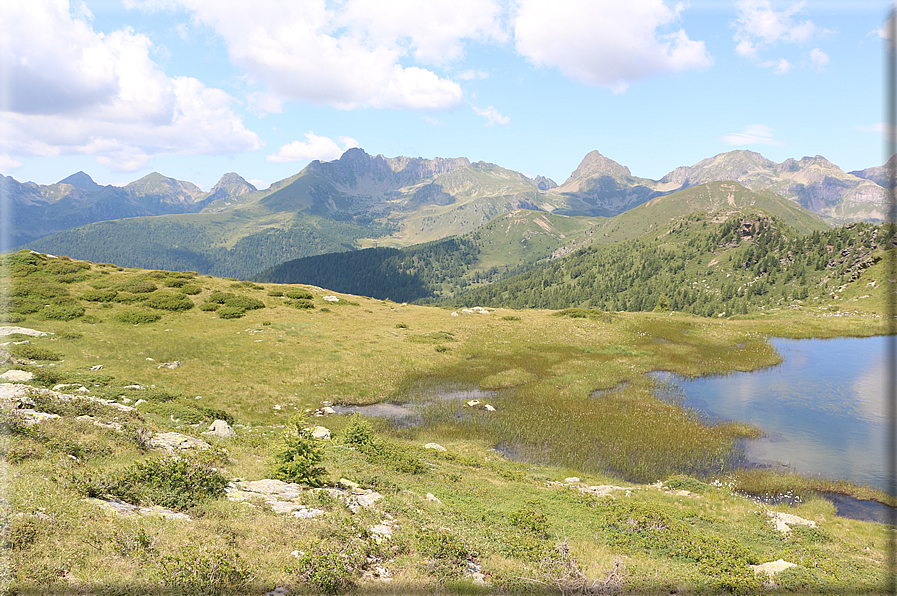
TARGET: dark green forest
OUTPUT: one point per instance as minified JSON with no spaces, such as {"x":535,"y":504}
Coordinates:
{"x":746,"y":262}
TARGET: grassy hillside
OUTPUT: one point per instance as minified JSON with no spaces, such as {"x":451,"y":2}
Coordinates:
{"x":713,"y":264}
{"x":510,"y":243}
{"x":258,"y":356}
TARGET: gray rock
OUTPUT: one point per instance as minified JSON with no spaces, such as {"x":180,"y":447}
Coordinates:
{"x":177,"y":442}
{"x":119,"y":507}
{"x":21,"y":331}
{"x":434,"y":446}
{"x":220,"y":428}
{"x":172,"y":365}
{"x":17,"y":376}
{"x":31,"y":417}
{"x":320,"y":432}
{"x":773,"y":567}
{"x":784,"y":521}
{"x":308,"y":513}
{"x":270,"y":487}
{"x":97,"y":367}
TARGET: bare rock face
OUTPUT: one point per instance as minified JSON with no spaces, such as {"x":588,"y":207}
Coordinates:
{"x":220,"y":428}
{"x":17,"y":376}
{"x":176,"y":442}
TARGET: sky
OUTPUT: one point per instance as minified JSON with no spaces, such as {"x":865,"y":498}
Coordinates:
{"x":198,"y":88}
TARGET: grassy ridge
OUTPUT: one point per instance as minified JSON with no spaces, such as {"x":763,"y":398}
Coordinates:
{"x":281,"y":359}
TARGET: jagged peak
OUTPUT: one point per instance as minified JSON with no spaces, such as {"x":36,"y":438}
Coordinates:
{"x":80,"y":180}
{"x":595,"y":164}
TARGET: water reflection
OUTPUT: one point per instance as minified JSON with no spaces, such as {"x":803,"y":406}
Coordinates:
{"x":822,"y":408}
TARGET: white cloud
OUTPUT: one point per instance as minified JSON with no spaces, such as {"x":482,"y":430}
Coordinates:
{"x":472,"y":75}
{"x":607,"y":43}
{"x":432,"y":120}
{"x":347,"y":54}
{"x":881,"y":128}
{"x":71,"y":90}
{"x":7,"y":164}
{"x":754,"y":134}
{"x":322,"y":148}
{"x":492,"y":116}
{"x":818,"y":59}
{"x":759,"y":27}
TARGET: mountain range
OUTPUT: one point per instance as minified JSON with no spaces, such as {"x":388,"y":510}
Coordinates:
{"x":360,"y":201}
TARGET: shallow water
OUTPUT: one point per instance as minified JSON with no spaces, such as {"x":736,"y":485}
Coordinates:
{"x":822,"y":409}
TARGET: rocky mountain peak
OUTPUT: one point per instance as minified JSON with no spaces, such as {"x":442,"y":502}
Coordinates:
{"x":80,"y":180}
{"x":544,"y":183}
{"x":230,"y":185}
{"x":167,"y":189}
{"x":594,"y":164}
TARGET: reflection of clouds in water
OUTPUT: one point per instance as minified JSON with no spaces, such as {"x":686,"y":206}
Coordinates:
{"x":868,"y":390}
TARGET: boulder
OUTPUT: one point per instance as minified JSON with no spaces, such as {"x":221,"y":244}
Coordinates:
{"x":320,"y":432}
{"x":220,"y":428}
{"x":172,"y":365}
{"x":97,"y":367}
{"x":434,"y":446}
{"x":784,"y":521}
{"x":21,"y":331}
{"x":773,"y":567}
{"x":177,"y":442}
{"x":17,"y":376}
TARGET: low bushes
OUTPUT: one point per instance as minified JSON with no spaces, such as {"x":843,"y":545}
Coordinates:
{"x":62,"y":312}
{"x":99,"y":295}
{"x":359,"y":434}
{"x":31,"y":352}
{"x":136,"y":286}
{"x":137,"y":317}
{"x":229,"y":312}
{"x":298,"y":294}
{"x":169,"y":301}
{"x":190,"y":289}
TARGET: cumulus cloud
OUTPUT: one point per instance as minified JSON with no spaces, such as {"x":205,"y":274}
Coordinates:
{"x":606,"y":43}
{"x":315,"y":147}
{"x":8,"y":164}
{"x":71,"y":90}
{"x":492,"y":116}
{"x":759,"y":27}
{"x":755,"y":134}
{"x":348,"y":54}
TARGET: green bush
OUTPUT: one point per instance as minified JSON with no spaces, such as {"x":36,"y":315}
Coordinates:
{"x":201,"y":570}
{"x":531,"y":519}
{"x":219,"y":297}
{"x":169,"y":301}
{"x":137,"y":286}
{"x":301,"y":303}
{"x":276,"y":292}
{"x":244,"y":302}
{"x":99,"y":295}
{"x":176,"y":282}
{"x":298,"y":294}
{"x":190,"y":289}
{"x":174,"y":482}
{"x":128,"y":298}
{"x":209,"y":306}
{"x":229,"y":312}
{"x":137,"y":317}
{"x":446,"y":552}
{"x":299,"y":455}
{"x":359,"y":434}
{"x":327,"y":570}
{"x":23,"y":305}
{"x":65,"y":267}
{"x":62,"y":312}
{"x":32,"y":352}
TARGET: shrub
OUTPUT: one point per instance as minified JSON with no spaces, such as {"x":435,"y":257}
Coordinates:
{"x":299,"y":456}
{"x":128,"y":298}
{"x":23,"y":305}
{"x":244,"y":302}
{"x":301,"y":303}
{"x":358,"y":433}
{"x":209,"y":306}
{"x":174,"y":482}
{"x":401,"y":325}
{"x":276,"y":292}
{"x":219,"y":297}
{"x":169,"y":301}
{"x":446,"y":552}
{"x":510,"y":318}
{"x":30,"y":352}
{"x":176,"y":282}
{"x":62,"y":312}
{"x":229,"y":312}
{"x":530,"y":519}
{"x":137,"y":317}
{"x":200,"y":570}
{"x":99,"y":295}
{"x":298,"y":294}
{"x":136,"y":286}
{"x":64,"y":267}
{"x":327,"y":570}
{"x":190,"y":289}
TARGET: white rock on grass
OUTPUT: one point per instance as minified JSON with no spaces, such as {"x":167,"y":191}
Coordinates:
{"x":17,"y":376}
{"x":177,"y":442}
{"x":434,"y":446}
{"x":773,"y":567}
{"x":784,"y":521}
{"x":21,"y":331}
{"x":220,"y":428}
{"x":320,"y":432}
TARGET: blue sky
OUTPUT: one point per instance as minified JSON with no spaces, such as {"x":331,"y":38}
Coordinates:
{"x":197,"y":88}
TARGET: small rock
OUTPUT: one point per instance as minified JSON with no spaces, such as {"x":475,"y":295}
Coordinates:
{"x":368,"y":500}
{"x":328,"y":410}
{"x":434,"y":446}
{"x":139,"y":401}
{"x":171,"y":365}
{"x":489,"y":408}
{"x":277,"y":406}
{"x":434,"y":498}
{"x":331,"y":298}
{"x":64,"y":386}
{"x":472,"y":403}
{"x":17,"y":376}
{"x":320,"y":432}
{"x":572,"y":480}
{"x":150,"y":359}
{"x":773,"y":567}
{"x":177,"y":442}
{"x":21,"y":331}
{"x":133,"y":387}
{"x":345,"y":482}
{"x":784,"y":521}
{"x":308,"y":513}
{"x":280,"y":590}
{"x":96,"y":367}
{"x":31,"y":417}
{"x":220,"y":428}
